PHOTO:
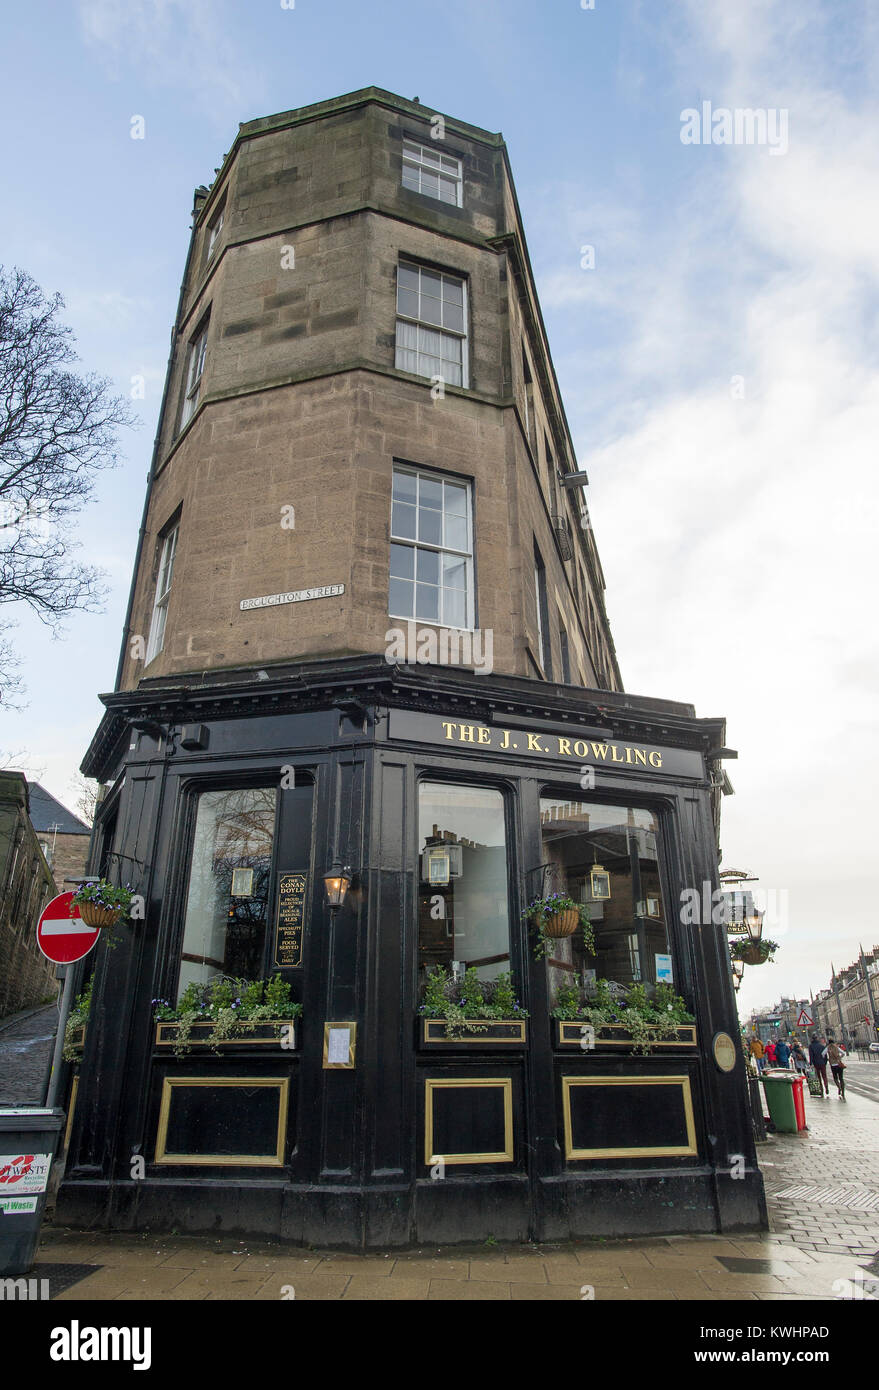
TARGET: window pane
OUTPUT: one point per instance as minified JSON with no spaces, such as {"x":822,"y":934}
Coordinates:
{"x":407,"y":302}
{"x":402,"y":562}
{"x":454,"y":608}
{"x":403,"y":520}
{"x":222,"y":934}
{"x":430,"y":157}
{"x":453,"y":317}
{"x":401,"y":598}
{"x":453,"y":290}
{"x":454,"y":572}
{"x":448,"y":191}
{"x":607,"y":857}
{"x":475,"y":926}
{"x":427,"y":602}
{"x":405,"y":486}
{"x":429,"y":184}
{"x":427,"y":569}
{"x":410,"y":177}
{"x":455,"y":499}
{"x":430,"y":492}
{"x":456,"y":533}
{"x":430,"y":527}
{"x":407,"y":276}
{"x":431,"y":309}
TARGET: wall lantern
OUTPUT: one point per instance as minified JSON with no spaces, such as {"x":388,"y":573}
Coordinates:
{"x":599,"y":882}
{"x":337,"y":881}
{"x":737,"y":983}
{"x":738,"y":970}
{"x":754,"y":924}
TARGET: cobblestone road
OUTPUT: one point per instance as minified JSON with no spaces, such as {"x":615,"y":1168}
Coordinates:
{"x":25,"y":1050}
{"x":831,"y":1174}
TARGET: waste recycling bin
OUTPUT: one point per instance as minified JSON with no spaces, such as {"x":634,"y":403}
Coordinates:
{"x":784,"y":1097}
{"x":29,"y":1139}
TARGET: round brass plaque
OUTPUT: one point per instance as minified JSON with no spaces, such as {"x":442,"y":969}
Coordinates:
{"x":724,"y":1051}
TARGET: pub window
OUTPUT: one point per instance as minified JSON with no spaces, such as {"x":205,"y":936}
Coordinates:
{"x":431,"y":549}
{"x":163,"y":592}
{"x":431,"y":324}
{"x":607,"y":857}
{"x":194,"y":372}
{"x":463,"y":897}
{"x":543,"y":642}
{"x":432,"y":173}
{"x":215,"y":227}
{"x":224,"y":928}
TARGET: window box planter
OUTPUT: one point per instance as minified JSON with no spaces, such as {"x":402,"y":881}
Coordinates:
{"x":265,"y":1033}
{"x":614,"y":1037}
{"x":501,"y":1034}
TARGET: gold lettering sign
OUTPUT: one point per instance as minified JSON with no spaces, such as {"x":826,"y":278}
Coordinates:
{"x":521,"y":741}
{"x":289,"y":918}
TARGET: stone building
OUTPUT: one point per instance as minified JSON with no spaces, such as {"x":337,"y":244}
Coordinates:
{"x":64,"y":838}
{"x":26,"y":885}
{"x":368,"y":709}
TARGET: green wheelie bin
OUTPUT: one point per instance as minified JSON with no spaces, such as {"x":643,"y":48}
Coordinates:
{"x":779,"y":1094}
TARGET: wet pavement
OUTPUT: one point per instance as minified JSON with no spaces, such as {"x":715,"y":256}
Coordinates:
{"x":25,"y":1053}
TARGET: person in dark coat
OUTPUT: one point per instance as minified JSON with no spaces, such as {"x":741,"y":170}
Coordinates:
{"x":782,"y":1053}
{"x":819,"y":1061}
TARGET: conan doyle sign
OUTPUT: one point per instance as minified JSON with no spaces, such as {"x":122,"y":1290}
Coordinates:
{"x":573,"y":747}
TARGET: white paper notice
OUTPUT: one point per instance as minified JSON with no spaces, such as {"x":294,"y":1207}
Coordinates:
{"x":339,"y":1046}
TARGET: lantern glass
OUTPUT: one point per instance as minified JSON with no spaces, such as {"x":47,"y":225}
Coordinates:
{"x":754,"y":924}
{"x":337,"y":882}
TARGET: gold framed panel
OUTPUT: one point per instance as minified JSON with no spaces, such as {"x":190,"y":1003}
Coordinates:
{"x":352,"y":1046}
{"x":429,"y":1033}
{"x":202,"y":1035}
{"x":688,"y":1150}
{"x":276,"y":1160}
{"x":569,"y":1032}
{"x":504,"y":1083}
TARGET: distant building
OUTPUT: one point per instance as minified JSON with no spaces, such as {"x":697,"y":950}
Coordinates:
{"x":64,"y":838}
{"x":26,"y":885}
{"x":851,"y":1008}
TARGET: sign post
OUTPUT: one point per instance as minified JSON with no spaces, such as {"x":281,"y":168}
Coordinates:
{"x":63,"y":937}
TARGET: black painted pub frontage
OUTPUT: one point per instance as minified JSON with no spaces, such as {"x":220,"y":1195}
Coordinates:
{"x":454,"y":799}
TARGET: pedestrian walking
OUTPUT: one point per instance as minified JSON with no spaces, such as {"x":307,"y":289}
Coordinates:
{"x":835,"y":1054}
{"x":757,"y":1053}
{"x":769,"y":1054}
{"x":798,"y":1058}
{"x":782,"y":1053}
{"x":819,"y":1061}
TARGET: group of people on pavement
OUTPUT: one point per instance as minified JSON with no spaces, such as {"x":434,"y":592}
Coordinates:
{"x":822,"y":1051}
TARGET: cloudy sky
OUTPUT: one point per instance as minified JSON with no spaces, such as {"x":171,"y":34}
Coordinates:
{"x":718,"y":360}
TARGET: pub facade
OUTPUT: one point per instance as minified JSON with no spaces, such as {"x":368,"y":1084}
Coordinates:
{"x":368,"y":714}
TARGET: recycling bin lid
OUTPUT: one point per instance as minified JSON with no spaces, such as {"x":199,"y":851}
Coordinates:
{"x":778,"y":1074}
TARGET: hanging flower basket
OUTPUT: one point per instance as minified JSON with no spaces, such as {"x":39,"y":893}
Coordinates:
{"x":96,"y":916}
{"x":754,"y":952}
{"x":560,"y":924}
{"x":101,"y":904}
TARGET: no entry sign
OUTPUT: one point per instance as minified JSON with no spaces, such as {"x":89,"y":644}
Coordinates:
{"x":61,"y":937}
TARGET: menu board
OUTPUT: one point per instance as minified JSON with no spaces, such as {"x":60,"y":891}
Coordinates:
{"x":289,"y":917}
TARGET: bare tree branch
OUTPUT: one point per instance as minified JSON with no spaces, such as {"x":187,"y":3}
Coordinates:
{"x":57,"y":430}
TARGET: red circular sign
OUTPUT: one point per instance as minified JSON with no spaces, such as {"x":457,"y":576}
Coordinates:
{"x":64,"y":937}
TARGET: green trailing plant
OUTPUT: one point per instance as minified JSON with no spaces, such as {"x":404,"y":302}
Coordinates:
{"x":739,"y":950}
{"x":539,"y":910}
{"x":463,"y":1004}
{"x":233,"y":1006}
{"x":648,"y":1020}
{"x":77,"y":1018}
{"x":104,"y":894}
